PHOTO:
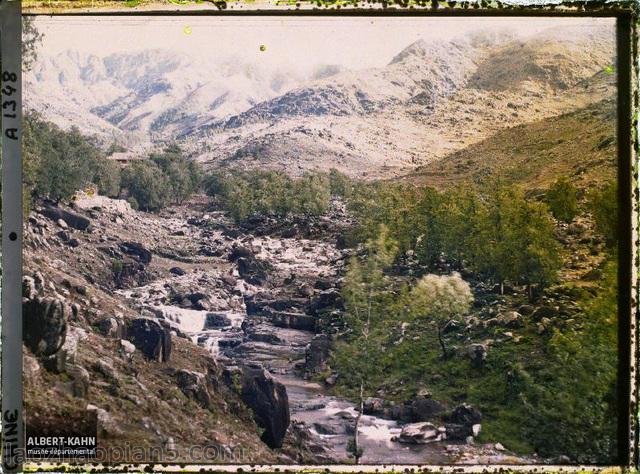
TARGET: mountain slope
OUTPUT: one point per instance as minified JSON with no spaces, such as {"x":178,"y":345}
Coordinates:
{"x":432,"y":99}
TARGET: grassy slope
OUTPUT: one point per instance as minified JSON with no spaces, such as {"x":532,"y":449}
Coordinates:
{"x":580,"y":145}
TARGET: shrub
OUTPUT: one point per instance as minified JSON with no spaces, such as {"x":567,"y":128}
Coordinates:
{"x":562,"y":199}
{"x":603,"y":204}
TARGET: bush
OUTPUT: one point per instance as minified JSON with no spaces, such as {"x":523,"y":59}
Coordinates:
{"x":603,"y":204}
{"x":562,"y":199}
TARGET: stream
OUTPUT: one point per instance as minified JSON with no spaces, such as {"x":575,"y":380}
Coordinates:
{"x":330,"y":419}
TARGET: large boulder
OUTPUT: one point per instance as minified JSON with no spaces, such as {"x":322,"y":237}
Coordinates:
{"x":465,"y":414}
{"x":137,"y":250}
{"x":44,"y":325}
{"x":72,"y":219}
{"x":425,"y":409}
{"x":151,"y":338}
{"x":65,"y":357}
{"x":458,"y":432}
{"x":420,"y":433}
{"x":269,"y":402}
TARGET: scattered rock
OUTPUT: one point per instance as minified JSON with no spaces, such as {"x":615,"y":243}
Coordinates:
{"x":216,"y":320}
{"x":511,"y":319}
{"x":137,"y":250}
{"x":478,"y":354}
{"x":177,"y":271}
{"x":373,"y":406}
{"x":126,"y":348}
{"x":111,"y":327}
{"x":70,"y":219}
{"x":544,"y":312}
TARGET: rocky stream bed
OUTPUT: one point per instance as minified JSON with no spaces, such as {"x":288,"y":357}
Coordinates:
{"x":264,"y":300}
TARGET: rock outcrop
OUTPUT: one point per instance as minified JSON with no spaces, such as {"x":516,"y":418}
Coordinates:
{"x":266,"y":397}
{"x":151,"y":338}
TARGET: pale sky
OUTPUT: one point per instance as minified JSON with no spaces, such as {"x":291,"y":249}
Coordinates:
{"x":353,"y":42}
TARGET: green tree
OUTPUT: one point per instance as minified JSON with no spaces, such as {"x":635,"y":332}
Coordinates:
{"x":436,"y":300}
{"x":183,"y":176}
{"x":107,"y":178}
{"x":514,"y":240}
{"x":366,"y":294}
{"x":57,"y":163}
{"x":562,"y":199}
{"x":147,"y":184}
{"x":31,"y":39}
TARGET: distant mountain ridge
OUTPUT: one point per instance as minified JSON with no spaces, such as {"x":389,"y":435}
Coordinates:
{"x":431,"y":99}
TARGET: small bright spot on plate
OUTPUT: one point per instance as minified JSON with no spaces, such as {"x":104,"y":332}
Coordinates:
{"x":187,"y":30}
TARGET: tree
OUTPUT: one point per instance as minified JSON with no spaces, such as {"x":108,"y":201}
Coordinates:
{"x":562,"y":199}
{"x":57,"y":163}
{"x":147,"y":184}
{"x":312,"y":194}
{"x":514,"y":240}
{"x":31,"y":38}
{"x":183,"y":176}
{"x":271,"y":193}
{"x":366,"y":294}
{"x":436,"y":300}
{"x":107,"y":178}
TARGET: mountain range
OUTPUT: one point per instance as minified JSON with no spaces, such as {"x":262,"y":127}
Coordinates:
{"x":434,"y":98}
